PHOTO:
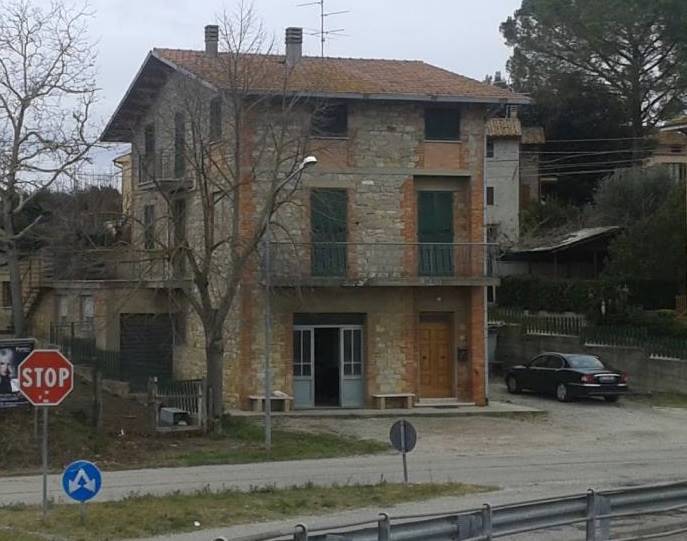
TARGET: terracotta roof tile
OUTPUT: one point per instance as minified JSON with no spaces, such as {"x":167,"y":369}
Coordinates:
{"x":504,"y":127}
{"x":317,"y":75}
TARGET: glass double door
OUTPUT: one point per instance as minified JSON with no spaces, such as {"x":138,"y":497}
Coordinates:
{"x":328,"y":366}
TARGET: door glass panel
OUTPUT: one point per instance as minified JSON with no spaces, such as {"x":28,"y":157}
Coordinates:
{"x":347,"y":354}
{"x":306,"y":355}
{"x":302,"y":355}
{"x":357,"y":353}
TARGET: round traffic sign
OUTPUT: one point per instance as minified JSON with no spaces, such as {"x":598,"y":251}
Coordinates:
{"x":81,"y":480}
{"x":46,"y":377}
{"x":403,"y":436}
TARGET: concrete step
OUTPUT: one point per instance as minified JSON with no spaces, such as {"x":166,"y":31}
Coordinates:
{"x":441,"y":403}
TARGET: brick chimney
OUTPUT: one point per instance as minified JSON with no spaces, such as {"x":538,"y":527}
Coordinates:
{"x":211,"y":39}
{"x":294,"y":45}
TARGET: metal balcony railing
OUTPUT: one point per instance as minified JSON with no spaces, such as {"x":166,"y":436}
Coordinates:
{"x":164,"y":169}
{"x":367,"y":262}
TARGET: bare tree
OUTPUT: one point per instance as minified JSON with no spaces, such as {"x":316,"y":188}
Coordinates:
{"x":256,"y":152}
{"x":47,"y":91}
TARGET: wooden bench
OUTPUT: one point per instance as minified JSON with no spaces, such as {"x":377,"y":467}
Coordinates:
{"x":407,"y":398}
{"x":258,"y":402}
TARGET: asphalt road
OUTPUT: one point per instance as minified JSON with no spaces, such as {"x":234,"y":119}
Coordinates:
{"x":578,"y":446}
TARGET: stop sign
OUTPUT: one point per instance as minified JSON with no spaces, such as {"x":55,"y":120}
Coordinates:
{"x":46,"y":377}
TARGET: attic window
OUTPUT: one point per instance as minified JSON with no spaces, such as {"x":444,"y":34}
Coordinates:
{"x":331,"y":121}
{"x":442,"y":124}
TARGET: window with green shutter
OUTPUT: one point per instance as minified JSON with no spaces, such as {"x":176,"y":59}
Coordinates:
{"x":329,"y":232}
{"x":435,"y":233}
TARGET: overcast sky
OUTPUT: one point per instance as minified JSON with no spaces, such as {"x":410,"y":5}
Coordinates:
{"x":460,"y":35}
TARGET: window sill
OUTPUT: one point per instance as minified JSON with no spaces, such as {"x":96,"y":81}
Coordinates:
{"x":452,"y":141}
{"x":330,"y":137}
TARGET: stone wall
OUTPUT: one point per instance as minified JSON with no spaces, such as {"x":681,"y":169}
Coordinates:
{"x":646,"y":374}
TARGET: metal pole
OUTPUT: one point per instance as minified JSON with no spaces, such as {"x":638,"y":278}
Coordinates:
{"x":591,"y":516}
{"x":44,"y":456}
{"x":268,"y":341}
{"x":486,"y":522}
{"x":403,"y":453}
{"x":82,"y":513}
{"x":384,"y":527}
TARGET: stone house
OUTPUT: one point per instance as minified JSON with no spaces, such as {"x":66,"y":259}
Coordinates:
{"x":391,"y":300}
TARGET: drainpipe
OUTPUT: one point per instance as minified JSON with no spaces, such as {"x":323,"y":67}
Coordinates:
{"x":486,"y":254}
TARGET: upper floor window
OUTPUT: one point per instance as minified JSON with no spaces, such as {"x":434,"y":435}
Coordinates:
{"x":179,"y":145}
{"x":149,"y":139}
{"x":490,"y":147}
{"x":676,"y":149}
{"x":442,"y":124}
{"x":490,"y":195}
{"x":215,"y":121}
{"x":6,"y":294}
{"x":146,"y":163}
{"x":149,"y":227}
{"x":331,"y":121}
{"x":328,"y":231}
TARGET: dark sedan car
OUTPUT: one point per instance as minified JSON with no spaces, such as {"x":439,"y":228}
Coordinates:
{"x":568,"y":376}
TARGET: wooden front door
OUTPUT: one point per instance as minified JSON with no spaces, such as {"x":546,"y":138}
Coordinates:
{"x":435,"y":366}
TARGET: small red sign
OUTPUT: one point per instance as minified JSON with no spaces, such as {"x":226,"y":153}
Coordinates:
{"x":46,"y":377}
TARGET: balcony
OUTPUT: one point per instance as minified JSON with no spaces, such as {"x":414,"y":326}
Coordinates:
{"x":382,"y":264}
{"x":164,"y":171}
{"x":146,"y":267}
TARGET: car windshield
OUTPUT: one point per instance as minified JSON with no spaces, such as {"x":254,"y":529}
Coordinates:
{"x":584,"y":361}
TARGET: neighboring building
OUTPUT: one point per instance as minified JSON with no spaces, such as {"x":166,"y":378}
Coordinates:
{"x":534,"y":186}
{"x":580,"y":254}
{"x":503,"y":180}
{"x":671,"y":150}
{"x":398,"y":308}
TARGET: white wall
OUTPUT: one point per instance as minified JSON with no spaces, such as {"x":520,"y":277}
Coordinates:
{"x":502,"y":174}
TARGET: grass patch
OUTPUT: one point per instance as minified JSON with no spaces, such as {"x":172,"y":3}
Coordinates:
{"x":240,"y":442}
{"x":287,"y":445}
{"x":141,"y":516}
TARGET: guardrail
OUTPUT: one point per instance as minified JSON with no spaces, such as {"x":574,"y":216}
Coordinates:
{"x":597,"y":511}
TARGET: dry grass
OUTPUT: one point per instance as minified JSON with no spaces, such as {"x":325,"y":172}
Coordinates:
{"x":142,"y":516}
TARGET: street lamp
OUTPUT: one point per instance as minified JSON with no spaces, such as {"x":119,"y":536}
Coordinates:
{"x":308,"y":161}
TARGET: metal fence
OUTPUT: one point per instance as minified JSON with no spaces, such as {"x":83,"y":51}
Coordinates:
{"x":603,"y":516}
{"x":380,"y":262}
{"x":76,"y":340}
{"x":597,"y":335}
{"x":187,"y":395}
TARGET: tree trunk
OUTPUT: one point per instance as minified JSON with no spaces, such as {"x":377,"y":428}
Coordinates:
{"x":214,"y":354}
{"x":12,"y":254}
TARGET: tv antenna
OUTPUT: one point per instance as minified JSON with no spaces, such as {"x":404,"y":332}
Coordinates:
{"x":323,"y":32}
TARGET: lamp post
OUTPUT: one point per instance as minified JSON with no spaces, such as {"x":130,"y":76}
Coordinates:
{"x":308,"y":161}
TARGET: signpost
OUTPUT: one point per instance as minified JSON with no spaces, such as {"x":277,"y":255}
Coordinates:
{"x":403,"y":437}
{"x":81,"y":481}
{"x":46,"y":377}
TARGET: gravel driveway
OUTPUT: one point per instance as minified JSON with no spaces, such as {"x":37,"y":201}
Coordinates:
{"x":568,"y":427}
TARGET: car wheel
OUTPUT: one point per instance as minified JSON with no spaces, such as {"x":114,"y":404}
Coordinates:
{"x":612,"y":398}
{"x":562,"y":393}
{"x":512,"y":385}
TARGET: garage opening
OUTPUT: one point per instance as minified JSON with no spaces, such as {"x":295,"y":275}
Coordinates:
{"x":146,"y":348}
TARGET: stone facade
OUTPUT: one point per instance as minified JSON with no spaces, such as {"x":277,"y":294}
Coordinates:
{"x":382,"y":163}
